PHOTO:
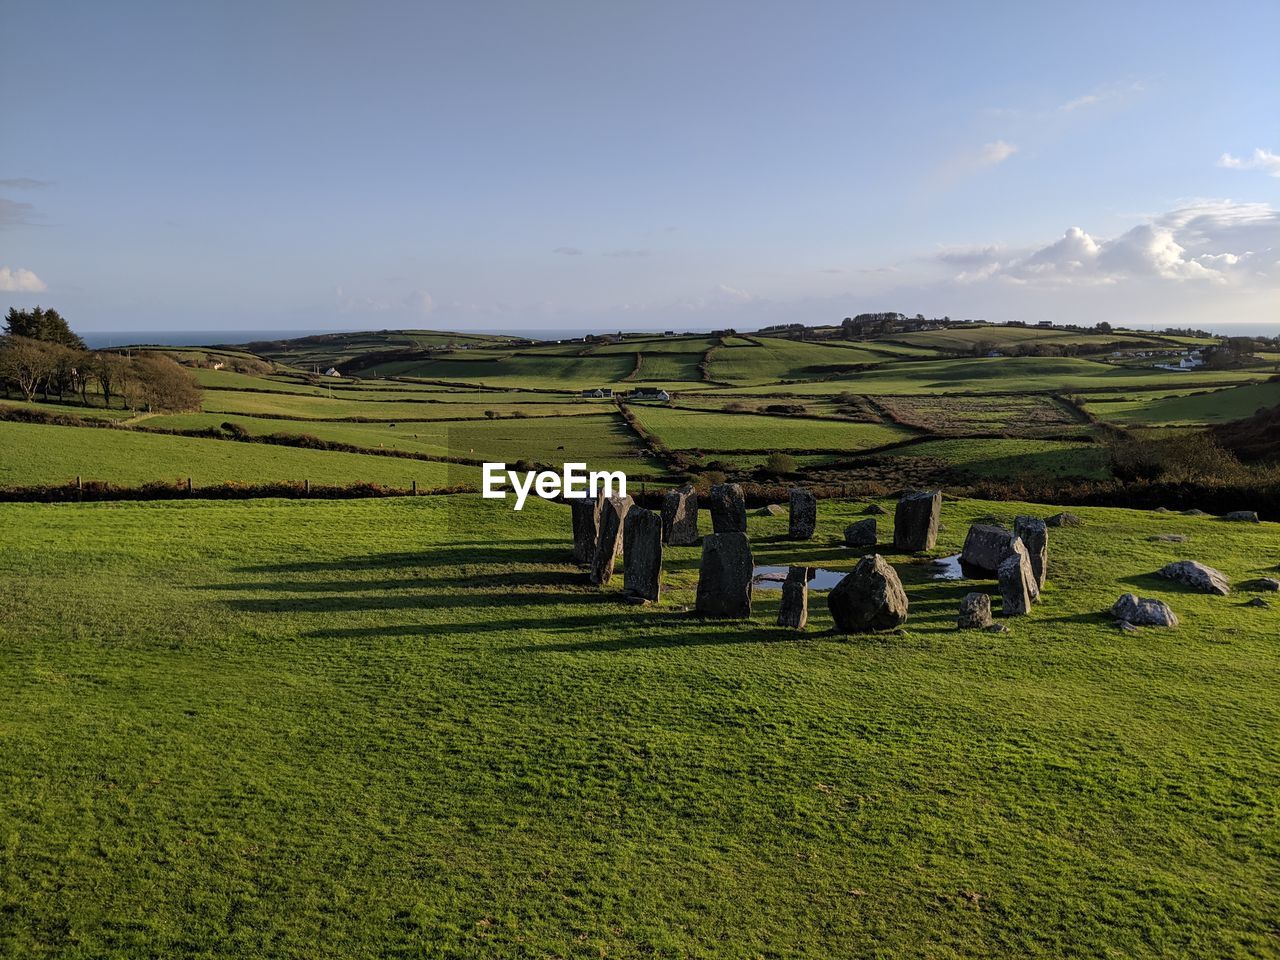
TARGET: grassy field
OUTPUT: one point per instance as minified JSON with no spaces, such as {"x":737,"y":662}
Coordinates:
{"x":38,"y":454}
{"x":1218,"y":406}
{"x":690,"y":429}
{"x":409,"y":728}
{"x":1015,"y":459}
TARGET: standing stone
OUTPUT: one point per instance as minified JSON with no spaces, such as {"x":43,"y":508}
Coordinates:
{"x":586,"y":528}
{"x":1017,"y":582}
{"x":724,"y":580}
{"x":642,"y":554}
{"x":1034,"y":534}
{"x":1241,"y":516}
{"x":728,"y":509}
{"x":975,"y":612}
{"x":680,"y":517}
{"x":794,"y":611}
{"x":915,"y":522}
{"x":613,"y":515}
{"x":861,"y":533}
{"x":804,"y":514}
{"x":869,"y":598}
{"x":985,"y":547}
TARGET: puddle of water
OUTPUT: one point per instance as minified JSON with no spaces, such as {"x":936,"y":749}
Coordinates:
{"x":770,"y":578}
{"x":947,"y":568}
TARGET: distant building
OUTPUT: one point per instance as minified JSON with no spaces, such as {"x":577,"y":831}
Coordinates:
{"x":599,"y":393}
{"x":1045,"y":323}
{"x":644,"y":393}
{"x":995,"y":353}
{"x":332,"y":372}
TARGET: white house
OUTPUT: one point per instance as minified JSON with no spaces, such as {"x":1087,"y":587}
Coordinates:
{"x":332,"y":372}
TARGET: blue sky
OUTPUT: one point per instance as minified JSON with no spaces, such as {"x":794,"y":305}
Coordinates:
{"x":607,"y":164}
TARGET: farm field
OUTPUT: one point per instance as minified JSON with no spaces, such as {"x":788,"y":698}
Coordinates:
{"x":1196,"y":408}
{"x":689,"y":429}
{"x":1016,"y":459}
{"x":414,"y":724}
{"x":36,"y":454}
{"x":441,"y":406}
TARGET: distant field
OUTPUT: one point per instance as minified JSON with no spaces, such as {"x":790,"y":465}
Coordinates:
{"x":1015,"y":459}
{"x":36,"y":454}
{"x":1219,"y":406}
{"x":688,"y":429}
{"x":779,"y":359}
{"x":324,"y":408}
{"x":965,"y":338}
{"x":602,"y":440}
{"x":1032,"y":415}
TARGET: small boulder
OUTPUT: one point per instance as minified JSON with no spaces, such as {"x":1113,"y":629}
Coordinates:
{"x":997,"y":628}
{"x":861,"y":533}
{"x":804,"y":514}
{"x":794,"y":611}
{"x":915,"y":521}
{"x":1193,"y":512}
{"x":728,"y":508}
{"x":975,"y":612}
{"x":1163,"y":510}
{"x":1266,"y":584}
{"x":1124,"y":626}
{"x":875,"y":510}
{"x":1064,"y":520}
{"x":680,"y":517}
{"x":772,"y":510}
{"x":1257,"y":602}
{"x":724,"y":579}
{"x":1143,"y":612}
{"x":870,"y":598}
{"x":1197,"y":576}
{"x":1241,"y":516}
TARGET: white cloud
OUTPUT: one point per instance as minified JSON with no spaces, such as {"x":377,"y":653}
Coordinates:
{"x":1100,"y":95}
{"x":1207,"y":241}
{"x":20,"y":280}
{"x":997,"y":152}
{"x":1263,"y":160}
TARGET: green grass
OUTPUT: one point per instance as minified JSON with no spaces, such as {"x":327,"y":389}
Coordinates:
{"x":1219,"y":406}
{"x":339,"y":406}
{"x":696,"y":429}
{"x":32,"y":454}
{"x":409,"y":728}
{"x":1014,"y":459}
{"x":602,"y":440}
{"x":776,"y":359}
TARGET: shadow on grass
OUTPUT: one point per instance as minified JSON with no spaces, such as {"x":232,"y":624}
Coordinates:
{"x":452,"y":554}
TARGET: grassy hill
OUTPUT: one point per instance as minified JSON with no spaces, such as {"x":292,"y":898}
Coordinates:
{"x":410,"y":728}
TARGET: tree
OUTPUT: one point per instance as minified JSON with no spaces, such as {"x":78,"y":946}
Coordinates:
{"x":154,"y":382}
{"x":41,"y":324}
{"x":26,"y":362}
{"x":780,"y":464}
{"x":1102,"y":327}
{"x":110,"y":370}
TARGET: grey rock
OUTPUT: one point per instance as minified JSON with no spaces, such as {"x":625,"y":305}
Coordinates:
{"x":1241,"y":516}
{"x":875,"y":510}
{"x":1257,"y":602}
{"x":804,"y":514}
{"x":1197,"y":576}
{"x":1017,"y":582}
{"x":975,"y":612}
{"x":986,"y":546}
{"x":1064,"y":519}
{"x":642,"y":554}
{"x":1034,"y":534}
{"x":794,"y":611}
{"x":728,"y":509}
{"x":724,"y":579}
{"x":680,"y":517}
{"x":861,"y":533}
{"x":1168,"y":538}
{"x":870,"y":598}
{"x":1124,"y":626}
{"x":613,"y":515}
{"x":1269,"y":584}
{"x":1194,"y":513}
{"x":1163,"y":510}
{"x":586,"y":528}
{"x":915,"y":521}
{"x":772,"y":510}
{"x":997,"y":628}
{"x":1142,"y":612}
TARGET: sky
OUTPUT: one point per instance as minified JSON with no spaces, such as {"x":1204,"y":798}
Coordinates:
{"x":635,"y":165}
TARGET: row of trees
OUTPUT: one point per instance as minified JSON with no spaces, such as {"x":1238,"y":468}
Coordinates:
{"x":40,"y":354}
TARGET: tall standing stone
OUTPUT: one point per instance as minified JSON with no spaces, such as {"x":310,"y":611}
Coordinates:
{"x":1034,"y":534}
{"x":680,"y":517}
{"x":642,"y":554}
{"x":724,"y":580}
{"x":985,"y":547}
{"x":1017,"y":582}
{"x":794,"y":611}
{"x":586,"y":528}
{"x":915,"y":522}
{"x":804,"y":514}
{"x":870,"y":598}
{"x":728,"y":508}
{"x":613,"y":515}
